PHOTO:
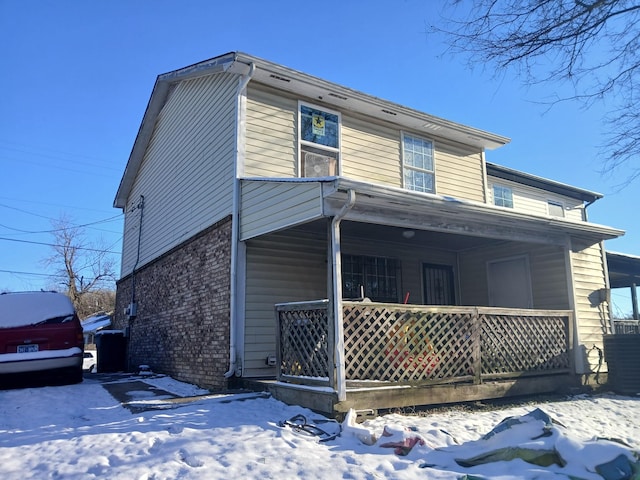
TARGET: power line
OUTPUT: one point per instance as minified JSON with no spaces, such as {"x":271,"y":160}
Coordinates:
{"x":26,"y":273}
{"x":59,"y":246}
{"x":58,"y":154}
{"x":49,"y":204}
{"x":106,"y":220}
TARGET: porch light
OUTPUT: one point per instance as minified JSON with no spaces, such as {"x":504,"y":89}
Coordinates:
{"x":408,"y":234}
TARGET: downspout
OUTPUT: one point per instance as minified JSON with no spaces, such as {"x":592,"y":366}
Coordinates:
{"x":584,"y":210}
{"x":337,"y":295}
{"x":235,"y":226}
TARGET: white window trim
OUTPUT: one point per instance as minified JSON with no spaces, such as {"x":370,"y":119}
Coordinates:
{"x":557,"y":203}
{"x":301,"y":142}
{"x":493,"y":195}
{"x":404,"y":134}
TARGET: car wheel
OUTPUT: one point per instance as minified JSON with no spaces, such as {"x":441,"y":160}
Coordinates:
{"x":75,"y":375}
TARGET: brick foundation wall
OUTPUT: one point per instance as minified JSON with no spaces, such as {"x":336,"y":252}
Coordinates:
{"x":183,"y":310}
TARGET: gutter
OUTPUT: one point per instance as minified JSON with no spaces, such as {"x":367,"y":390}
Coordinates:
{"x":235,"y":227}
{"x":337,"y":295}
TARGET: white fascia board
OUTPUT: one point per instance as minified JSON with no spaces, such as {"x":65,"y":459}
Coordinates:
{"x":471,"y":208}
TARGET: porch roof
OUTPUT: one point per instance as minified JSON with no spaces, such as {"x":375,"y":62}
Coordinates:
{"x":397,"y":207}
{"x":409,"y":209}
{"x":624,"y":270}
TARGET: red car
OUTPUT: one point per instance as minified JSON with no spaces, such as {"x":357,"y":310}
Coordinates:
{"x":40,"y":332}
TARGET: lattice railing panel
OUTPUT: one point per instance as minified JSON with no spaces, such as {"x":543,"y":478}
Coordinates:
{"x":401,"y":344}
{"x":520,"y":343}
{"x":304,"y":333}
{"x":421,"y":344}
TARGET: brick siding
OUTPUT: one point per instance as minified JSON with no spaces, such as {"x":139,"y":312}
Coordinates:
{"x":183,"y":299}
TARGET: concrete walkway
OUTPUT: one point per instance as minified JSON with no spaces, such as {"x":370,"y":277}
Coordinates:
{"x":135,"y":394}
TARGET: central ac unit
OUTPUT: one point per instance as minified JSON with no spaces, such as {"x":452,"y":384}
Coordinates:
{"x":316,"y":165}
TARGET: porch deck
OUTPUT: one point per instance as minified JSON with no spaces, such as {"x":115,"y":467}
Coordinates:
{"x":388,"y":355}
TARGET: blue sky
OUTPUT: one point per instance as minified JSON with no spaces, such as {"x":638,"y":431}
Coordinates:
{"x":77,"y":75}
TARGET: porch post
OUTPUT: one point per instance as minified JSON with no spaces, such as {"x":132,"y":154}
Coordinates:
{"x":335,"y":298}
{"x":634,"y":302}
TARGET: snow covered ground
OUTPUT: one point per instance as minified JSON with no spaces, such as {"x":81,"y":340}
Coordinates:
{"x":82,"y":432}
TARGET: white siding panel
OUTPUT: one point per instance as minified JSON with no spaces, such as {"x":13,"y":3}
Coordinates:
{"x":534,"y":200}
{"x":186,"y":176}
{"x":270,"y":206}
{"x":589,"y":278}
{"x":270,"y":134}
{"x":370,"y":152}
{"x":459,"y":171}
{"x":280,"y":268}
{"x":548,"y":273}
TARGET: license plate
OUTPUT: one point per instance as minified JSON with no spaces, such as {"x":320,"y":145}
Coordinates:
{"x":27,"y":348}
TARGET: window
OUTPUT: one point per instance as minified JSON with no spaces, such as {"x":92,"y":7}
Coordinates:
{"x":417,"y":159}
{"x":555,"y":208}
{"x":502,"y":196}
{"x":376,"y":277}
{"x":319,"y":132}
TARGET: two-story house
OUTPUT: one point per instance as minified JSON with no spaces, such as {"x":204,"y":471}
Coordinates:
{"x":355,"y":252}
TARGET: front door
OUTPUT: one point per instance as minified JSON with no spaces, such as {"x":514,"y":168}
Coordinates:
{"x":438,"y":284}
{"x":510,"y":283}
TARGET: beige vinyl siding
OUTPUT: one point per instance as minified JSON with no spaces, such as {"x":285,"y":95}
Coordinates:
{"x":280,"y":268}
{"x":270,"y":134}
{"x":411,"y":258}
{"x":291,"y":266}
{"x":370,"y":148}
{"x":459,"y":171}
{"x":533,"y":200}
{"x":370,"y":151}
{"x":547,"y":266}
{"x":186,"y":176}
{"x":271,"y":206}
{"x":588,"y":279}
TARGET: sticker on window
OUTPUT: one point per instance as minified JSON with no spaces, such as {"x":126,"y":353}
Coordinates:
{"x":318,"y":124}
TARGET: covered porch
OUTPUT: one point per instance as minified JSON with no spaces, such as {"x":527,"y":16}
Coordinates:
{"x":426,"y":299}
{"x":402,"y":355}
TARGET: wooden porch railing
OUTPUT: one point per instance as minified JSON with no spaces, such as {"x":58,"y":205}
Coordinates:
{"x":417,"y":344}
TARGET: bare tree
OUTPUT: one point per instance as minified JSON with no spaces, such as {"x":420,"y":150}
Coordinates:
{"x":592,"y":45}
{"x":86,"y":270}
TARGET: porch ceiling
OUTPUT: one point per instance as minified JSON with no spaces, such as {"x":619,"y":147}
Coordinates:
{"x":433,"y":213}
{"x":624,"y":270}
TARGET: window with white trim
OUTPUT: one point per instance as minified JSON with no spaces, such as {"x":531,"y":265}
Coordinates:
{"x":319,"y":141}
{"x":555,"y":209}
{"x":417,"y":162}
{"x":502,"y":196}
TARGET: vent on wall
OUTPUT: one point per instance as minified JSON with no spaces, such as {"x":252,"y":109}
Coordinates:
{"x":316,"y":165}
{"x":278,"y":77}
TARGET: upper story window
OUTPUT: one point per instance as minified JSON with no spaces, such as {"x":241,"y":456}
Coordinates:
{"x":417,"y":160}
{"x":555,"y":208}
{"x":502,"y":196}
{"x":319,"y":137}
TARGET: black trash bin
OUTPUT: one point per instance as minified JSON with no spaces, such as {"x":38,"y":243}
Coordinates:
{"x":112,"y":351}
{"x":622,"y":353}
